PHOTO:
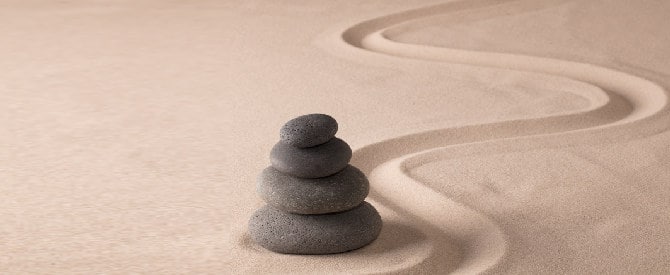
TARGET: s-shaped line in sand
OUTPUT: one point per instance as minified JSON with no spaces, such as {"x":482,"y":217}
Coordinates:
{"x":626,"y":107}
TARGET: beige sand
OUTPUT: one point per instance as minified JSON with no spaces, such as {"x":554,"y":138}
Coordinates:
{"x":499,"y":136}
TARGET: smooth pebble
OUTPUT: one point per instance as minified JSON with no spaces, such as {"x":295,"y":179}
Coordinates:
{"x":308,"y":130}
{"x":288,"y":233}
{"x":341,"y":191}
{"x":313,"y":162}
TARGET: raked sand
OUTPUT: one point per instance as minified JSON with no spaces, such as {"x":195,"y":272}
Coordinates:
{"x":499,"y":136}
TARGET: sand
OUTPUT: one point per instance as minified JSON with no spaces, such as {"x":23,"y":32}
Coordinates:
{"x":499,"y":136}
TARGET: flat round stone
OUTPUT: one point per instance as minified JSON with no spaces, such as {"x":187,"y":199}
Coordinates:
{"x":339,"y":192}
{"x":288,"y":233}
{"x":313,"y":162}
{"x":308,"y":130}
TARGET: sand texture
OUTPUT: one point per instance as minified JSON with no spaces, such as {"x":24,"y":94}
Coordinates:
{"x":499,"y":137}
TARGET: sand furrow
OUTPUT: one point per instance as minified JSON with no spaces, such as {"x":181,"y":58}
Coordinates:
{"x":634,"y":107}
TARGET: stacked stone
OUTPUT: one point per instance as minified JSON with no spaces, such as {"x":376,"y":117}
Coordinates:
{"x":315,"y":199}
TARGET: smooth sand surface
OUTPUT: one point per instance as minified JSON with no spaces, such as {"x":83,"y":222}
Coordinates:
{"x":499,"y":136}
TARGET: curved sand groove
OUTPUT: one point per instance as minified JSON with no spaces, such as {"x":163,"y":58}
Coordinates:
{"x":635,"y":108}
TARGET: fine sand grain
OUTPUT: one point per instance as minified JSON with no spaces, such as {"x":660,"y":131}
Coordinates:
{"x":498,"y":136}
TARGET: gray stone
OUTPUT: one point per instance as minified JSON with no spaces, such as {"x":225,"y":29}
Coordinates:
{"x":341,"y":191}
{"x":288,"y":233}
{"x":308,"y":130}
{"x":313,"y":162}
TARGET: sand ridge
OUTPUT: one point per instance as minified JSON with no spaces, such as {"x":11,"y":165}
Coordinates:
{"x":632,"y":102}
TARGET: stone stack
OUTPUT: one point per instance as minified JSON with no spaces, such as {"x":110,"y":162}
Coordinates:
{"x":315,"y":199}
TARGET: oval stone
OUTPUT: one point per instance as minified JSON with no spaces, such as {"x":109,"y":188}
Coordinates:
{"x":313,"y":162}
{"x":308,"y":130}
{"x":339,"y":192}
{"x":289,"y":233}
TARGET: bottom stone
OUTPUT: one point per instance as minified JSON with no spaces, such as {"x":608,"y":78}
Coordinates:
{"x":288,"y":233}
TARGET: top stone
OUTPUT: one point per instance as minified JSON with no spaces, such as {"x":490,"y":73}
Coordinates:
{"x":308,"y":130}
